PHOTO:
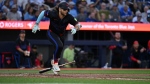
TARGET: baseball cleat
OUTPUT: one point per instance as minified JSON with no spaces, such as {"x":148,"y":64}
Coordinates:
{"x":55,"y":72}
{"x":55,"y":67}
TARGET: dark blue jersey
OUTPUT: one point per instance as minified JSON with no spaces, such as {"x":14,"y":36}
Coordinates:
{"x":118,"y":50}
{"x":58,"y":25}
{"x":24,"y":45}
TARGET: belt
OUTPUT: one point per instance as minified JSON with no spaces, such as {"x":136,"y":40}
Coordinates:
{"x":56,"y":33}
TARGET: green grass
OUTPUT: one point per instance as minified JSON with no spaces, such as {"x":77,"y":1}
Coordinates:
{"x":66,"y":80}
{"x":75,"y":80}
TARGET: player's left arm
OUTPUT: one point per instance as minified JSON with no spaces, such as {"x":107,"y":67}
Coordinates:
{"x":78,"y":26}
{"x":124,"y":47}
{"x":73,"y":21}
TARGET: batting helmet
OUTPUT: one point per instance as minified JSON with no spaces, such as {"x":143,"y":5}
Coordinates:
{"x":64,"y":5}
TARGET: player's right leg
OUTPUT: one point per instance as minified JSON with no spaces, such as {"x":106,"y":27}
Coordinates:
{"x":55,"y":66}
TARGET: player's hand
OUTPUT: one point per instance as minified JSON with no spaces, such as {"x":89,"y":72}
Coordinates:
{"x":73,"y":30}
{"x":35,"y":28}
{"x":138,"y":61}
{"x":124,"y":47}
{"x":27,"y":53}
{"x":142,"y":50}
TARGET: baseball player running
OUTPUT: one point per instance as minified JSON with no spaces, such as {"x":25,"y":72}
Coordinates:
{"x":59,"y":19}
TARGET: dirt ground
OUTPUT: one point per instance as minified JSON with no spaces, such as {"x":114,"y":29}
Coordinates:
{"x":85,"y":76}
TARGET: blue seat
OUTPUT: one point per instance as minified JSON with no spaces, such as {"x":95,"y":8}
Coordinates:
{"x":6,"y":60}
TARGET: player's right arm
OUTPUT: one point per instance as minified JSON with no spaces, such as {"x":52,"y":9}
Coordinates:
{"x":18,"y":47}
{"x":42,"y":14}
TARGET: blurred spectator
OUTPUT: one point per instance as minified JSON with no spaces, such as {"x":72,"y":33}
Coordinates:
{"x":6,"y":7}
{"x":83,"y":2}
{"x":71,"y":1}
{"x":144,"y":14}
{"x":23,"y":49}
{"x":29,"y":14}
{"x":79,"y":6}
{"x":110,"y":4}
{"x":96,"y":2}
{"x":148,"y":16}
{"x":103,"y":10}
{"x":121,"y":4}
{"x":22,"y":3}
{"x":14,"y":2}
{"x":103,"y":18}
{"x":39,"y":61}
{"x":91,"y":17}
{"x":105,"y":1}
{"x":138,"y":17}
{"x":37,"y":2}
{"x":126,"y":14}
{"x":33,"y":54}
{"x":57,"y":2}
{"x":2,"y":17}
{"x":81,"y":17}
{"x":42,"y":8}
{"x":136,"y":53}
{"x":50,"y":3}
{"x":36,"y":16}
{"x":26,"y":8}
{"x":134,"y":8}
{"x":72,"y":11}
{"x":118,"y":51}
{"x":13,"y":14}
{"x":92,"y":8}
{"x":68,"y":55}
{"x":115,"y":14}
{"x":108,"y":7}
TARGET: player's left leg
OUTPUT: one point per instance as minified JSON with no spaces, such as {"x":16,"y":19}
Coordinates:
{"x":58,"y":44}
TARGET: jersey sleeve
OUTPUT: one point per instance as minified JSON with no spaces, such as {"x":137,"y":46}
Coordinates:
{"x":124,"y":43}
{"x":17,"y":44}
{"x":37,"y":62}
{"x":73,"y":21}
{"x":48,"y":13}
{"x":28,"y":45}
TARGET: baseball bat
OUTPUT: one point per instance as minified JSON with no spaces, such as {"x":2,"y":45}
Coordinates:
{"x":113,"y":36}
{"x":48,"y":69}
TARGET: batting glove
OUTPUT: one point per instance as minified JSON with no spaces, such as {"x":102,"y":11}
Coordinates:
{"x":73,"y":30}
{"x":35,"y":28}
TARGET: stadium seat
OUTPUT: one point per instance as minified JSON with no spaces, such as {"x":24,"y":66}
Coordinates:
{"x":7,"y":60}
